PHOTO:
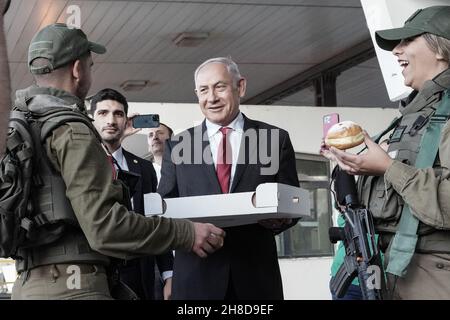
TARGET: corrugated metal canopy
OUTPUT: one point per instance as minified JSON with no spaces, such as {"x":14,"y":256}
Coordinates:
{"x":271,"y":40}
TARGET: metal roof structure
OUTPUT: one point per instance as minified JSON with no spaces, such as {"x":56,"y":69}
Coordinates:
{"x":283,"y":47}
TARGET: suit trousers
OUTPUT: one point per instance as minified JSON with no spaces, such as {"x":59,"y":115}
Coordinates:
{"x":62,"y":282}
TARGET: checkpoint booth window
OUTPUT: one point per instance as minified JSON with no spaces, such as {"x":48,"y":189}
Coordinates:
{"x":309,"y":237}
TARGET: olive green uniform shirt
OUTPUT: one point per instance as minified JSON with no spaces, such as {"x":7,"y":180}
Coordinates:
{"x":112,"y":230}
{"x":426,"y":191}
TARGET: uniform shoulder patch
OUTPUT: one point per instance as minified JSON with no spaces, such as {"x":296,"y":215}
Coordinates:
{"x":79,"y":130}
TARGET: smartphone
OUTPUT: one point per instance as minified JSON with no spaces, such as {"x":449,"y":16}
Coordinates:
{"x":328,"y":121}
{"x":146,"y":121}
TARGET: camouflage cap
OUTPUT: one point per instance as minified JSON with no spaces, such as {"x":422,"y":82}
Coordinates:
{"x":434,"y":20}
{"x":60,"y":45}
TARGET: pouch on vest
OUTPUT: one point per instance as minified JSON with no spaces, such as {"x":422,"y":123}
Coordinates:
{"x":404,"y":143}
{"x":384,"y":202}
{"x":15,"y":183}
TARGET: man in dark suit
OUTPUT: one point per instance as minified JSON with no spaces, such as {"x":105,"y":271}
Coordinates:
{"x":110,"y":109}
{"x":236,"y":155}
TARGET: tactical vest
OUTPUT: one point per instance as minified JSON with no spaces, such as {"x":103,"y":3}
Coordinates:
{"x":58,"y":238}
{"x":384,"y":202}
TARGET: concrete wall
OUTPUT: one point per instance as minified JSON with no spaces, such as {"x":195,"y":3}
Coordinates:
{"x":306,"y":278}
{"x":303,"y":278}
{"x":304,"y":124}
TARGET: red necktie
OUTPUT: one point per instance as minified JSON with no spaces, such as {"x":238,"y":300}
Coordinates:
{"x":113,"y":167}
{"x":224,"y":157}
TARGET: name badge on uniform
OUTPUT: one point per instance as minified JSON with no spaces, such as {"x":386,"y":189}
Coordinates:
{"x":397,"y":134}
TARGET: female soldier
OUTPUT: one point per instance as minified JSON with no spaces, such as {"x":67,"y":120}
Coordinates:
{"x":407,"y":188}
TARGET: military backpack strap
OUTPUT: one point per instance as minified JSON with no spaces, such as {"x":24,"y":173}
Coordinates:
{"x":405,"y":239}
{"x":29,"y":223}
{"x":20,"y":104}
{"x":15,"y":182}
{"x":393,"y":124}
{"x":378,"y":137}
{"x":19,"y":123}
{"x":41,"y":126}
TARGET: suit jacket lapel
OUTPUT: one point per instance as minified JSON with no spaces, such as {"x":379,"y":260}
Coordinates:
{"x":245,"y":154}
{"x":133,"y":166}
{"x":132,"y":162}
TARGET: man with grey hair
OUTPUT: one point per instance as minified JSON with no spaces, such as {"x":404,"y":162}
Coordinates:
{"x":231,"y":160}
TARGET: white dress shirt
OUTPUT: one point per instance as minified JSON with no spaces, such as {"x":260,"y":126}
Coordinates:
{"x":234,"y":137}
{"x":157,"y":170}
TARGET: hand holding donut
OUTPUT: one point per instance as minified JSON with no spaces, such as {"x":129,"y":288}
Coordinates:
{"x":344,"y":135}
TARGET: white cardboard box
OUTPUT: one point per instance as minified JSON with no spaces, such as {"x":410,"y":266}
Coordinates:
{"x":270,"y":200}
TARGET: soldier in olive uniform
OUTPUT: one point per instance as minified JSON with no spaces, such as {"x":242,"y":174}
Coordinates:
{"x":80,"y":200}
{"x":407,"y":188}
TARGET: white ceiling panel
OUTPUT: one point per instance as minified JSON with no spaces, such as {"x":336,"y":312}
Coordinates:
{"x":271,"y":41}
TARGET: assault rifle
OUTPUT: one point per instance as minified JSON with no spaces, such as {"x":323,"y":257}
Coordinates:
{"x":362,"y":256}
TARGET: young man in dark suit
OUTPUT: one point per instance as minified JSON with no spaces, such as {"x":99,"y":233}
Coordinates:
{"x":110,"y":108}
{"x":236,"y":155}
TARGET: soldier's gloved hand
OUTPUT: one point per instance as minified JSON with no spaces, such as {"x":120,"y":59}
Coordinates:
{"x":208,"y":238}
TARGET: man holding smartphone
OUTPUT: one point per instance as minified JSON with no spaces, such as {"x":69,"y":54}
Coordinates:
{"x":110,"y":108}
